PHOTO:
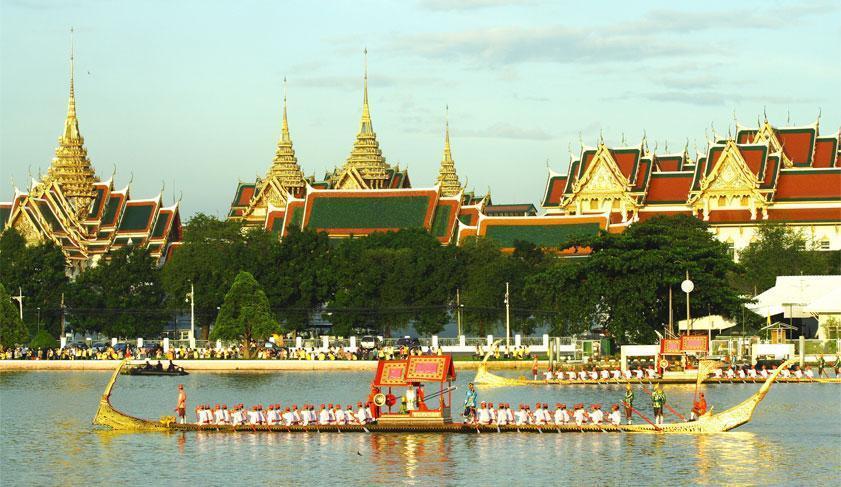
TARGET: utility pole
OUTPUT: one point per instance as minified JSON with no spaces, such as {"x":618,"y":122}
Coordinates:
{"x":191,"y":297}
{"x":687,"y":286}
{"x":671,"y":332}
{"x":19,"y":299}
{"x":507,"y":319}
{"x":458,"y":312}
{"x":62,"y":315}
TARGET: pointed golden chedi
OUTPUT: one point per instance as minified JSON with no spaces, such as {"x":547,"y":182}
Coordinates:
{"x":285,"y":169}
{"x":447,"y":177}
{"x":71,"y":168}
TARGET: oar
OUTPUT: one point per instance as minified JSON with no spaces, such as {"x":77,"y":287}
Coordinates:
{"x":641,"y":415}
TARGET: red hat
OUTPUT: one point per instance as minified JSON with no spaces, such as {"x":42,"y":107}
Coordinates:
{"x":537,"y":405}
{"x":287,"y":410}
{"x":615,"y":407}
{"x":349,"y":406}
{"x":322,"y":406}
{"x":224,"y":406}
{"x":294,"y":406}
{"x":527,"y":406}
{"x":330,"y":405}
{"x":563,"y":406}
{"x":557,"y":405}
{"x":217,"y":405}
{"x":490,"y":404}
{"x":359,"y":404}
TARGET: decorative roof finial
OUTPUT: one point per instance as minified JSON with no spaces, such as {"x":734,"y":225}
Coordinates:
{"x":601,"y":136}
{"x":284,"y":131}
{"x":72,"y":104}
{"x":764,"y":114}
{"x":366,"y":126}
{"x":818,"y":121}
{"x":788,"y":116}
{"x":623,"y":139}
{"x":667,"y":146}
{"x":447,"y":177}
{"x":735,"y":120}
{"x":580,"y":140}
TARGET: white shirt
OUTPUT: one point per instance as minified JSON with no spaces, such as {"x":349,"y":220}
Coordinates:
{"x":578,"y":414}
{"x":617,"y":373}
{"x":332,"y":415}
{"x":741,"y":373}
{"x":501,"y":418}
{"x":226,"y":416}
{"x":548,"y":375}
{"x":237,"y":417}
{"x":764,"y":373}
{"x":484,"y":416}
{"x":798,"y":373}
{"x":729,"y":373}
{"x":809,"y":373}
{"x":571,"y":375}
{"x":785,"y":373}
{"x":752,"y":373}
{"x":509,"y":415}
{"x":615,"y":417}
{"x":410,"y":399}
{"x":560,"y":416}
{"x":340,"y":416}
{"x":349,"y":416}
{"x":627,"y":374}
{"x":582,"y":375}
{"x":594,"y":375}
{"x":605,"y":374}
{"x":651,"y":373}
{"x":305,"y":418}
{"x":597,"y":416}
{"x":253,"y":417}
{"x":522,"y":416}
{"x":296,"y":417}
{"x":219,"y":417}
{"x":717,"y":372}
{"x":547,"y":416}
{"x":492,"y":412}
{"x":539,"y":418}
{"x":361,"y":416}
{"x":638,"y":373}
{"x":324,"y":417}
{"x":288,"y":418}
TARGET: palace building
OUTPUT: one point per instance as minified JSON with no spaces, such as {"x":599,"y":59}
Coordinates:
{"x":85,"y":216}
{"x":367,"y":195}
{"x":790,"y":175}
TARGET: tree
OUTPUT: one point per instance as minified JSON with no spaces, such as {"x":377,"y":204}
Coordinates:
{"x":779,"y":250}
{"x":43,"y":340}
{"x":298,"y":280}
{"x":245,"y":315}
{"x":40,"y":272}
{"x":486,"y":269}
{"x":12,"y":330}
{"x":212,"y":253}
{"x":121,"y":297}
{"x":391,"y":280}
{"x":626,"y":279}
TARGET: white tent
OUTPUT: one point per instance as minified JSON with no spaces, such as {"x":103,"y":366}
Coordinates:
{"x":793,"y":295}
{"x":707,"y":323}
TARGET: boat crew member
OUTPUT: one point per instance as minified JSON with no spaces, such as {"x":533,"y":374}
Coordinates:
{"x":470,"y":403}
{"x":492,"y":412}
{"x":597,"y":415}
{"x":331,"y":413}
{"x":605,"y":374}
{"x":271,"y":417}
{"x":236,"y":418}
{"x":617,"y":374}
{"x":561,"y":414}
{"x":484,"y":416}
{"x":288,"y":418}
{"x":699,"y":408}
{"x":411,"y":397}
{"x":752,"y":373}
{"x":323,"y":416}
{"x":629,"y":403}
{"x":837,"y":365}
{"x":522,"y":415}
{"x":538,"y":414}
{"x":821,"y":365}
{"x":615,"y":417}
{"x":658,"y":400}
{"x":181,"y":406}
{"x":571,"y":375}
{"x":798,"y":373}
{"x":534,"y":366}
{"x":582,"y":374}
{"x":579,"y":414}
{"x":349,"y":415}
{"x":361,"y":415}
{"x":763,"y":372}
{"x":340,"y":415}
{"x":226,"y":415}
{"x":627,"y":374}
{"x":501,"y":416}
{"x":420,"y":397}
{"x":296,"y":416}
{"x":785,"y":373}
{"x":594,"y":375}
{"x":741,"y":373}
{"x":218,"y":416}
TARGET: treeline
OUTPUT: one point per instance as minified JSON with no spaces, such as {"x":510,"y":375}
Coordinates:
{"x":388,"y":281}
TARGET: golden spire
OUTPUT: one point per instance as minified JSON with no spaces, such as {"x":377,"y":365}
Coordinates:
{"x":447,"y":177}
{"x":71,"y":168}
{"x":285,"y":166}
{"x":366,"y":156}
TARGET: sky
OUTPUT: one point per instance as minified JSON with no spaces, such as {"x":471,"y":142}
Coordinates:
{"x":186,"y":96}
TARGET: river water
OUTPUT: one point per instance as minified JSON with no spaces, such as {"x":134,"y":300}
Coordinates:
{"x":46,"y":438}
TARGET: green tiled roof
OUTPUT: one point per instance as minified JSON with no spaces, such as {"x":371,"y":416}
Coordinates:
{"x":97,"y":202}
{"x":542,"y":235}
{"x":136,"y":217}
{"x":111,"y":210}
{"x":440,"y":222}
{"x":160,"y":225}
{"x":369,"y":212}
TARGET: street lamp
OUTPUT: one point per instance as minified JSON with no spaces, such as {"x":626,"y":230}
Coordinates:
{"x":507,"y":319}
{"x":687,"y":286}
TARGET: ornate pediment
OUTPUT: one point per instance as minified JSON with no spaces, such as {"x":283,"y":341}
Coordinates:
{"x":349,"y":178}
{"x":730,"y":185}
{"x":602,"y":188}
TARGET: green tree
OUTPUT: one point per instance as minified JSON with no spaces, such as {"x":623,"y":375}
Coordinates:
{"x":391,"y":280}
{"x":12,"y":330}
{"x":43,"y":340}
{"x":779,"y":250}
{"x":298,"y":280}
{"x":40,"y":272}
{"x":561,"y":290}
{"x":245,"y":315}
{"x":121,"y":297}
{"x":486,"y":269}
{"x":629,"y":275}
{"x":212,"y":253}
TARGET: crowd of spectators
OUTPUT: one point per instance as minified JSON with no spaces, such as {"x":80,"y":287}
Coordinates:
{"x":121,"y":351}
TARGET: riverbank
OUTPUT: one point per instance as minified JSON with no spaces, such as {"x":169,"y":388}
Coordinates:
{"x":239,"y":365}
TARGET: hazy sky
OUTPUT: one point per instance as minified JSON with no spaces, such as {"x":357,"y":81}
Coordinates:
{"x":188,"y":93}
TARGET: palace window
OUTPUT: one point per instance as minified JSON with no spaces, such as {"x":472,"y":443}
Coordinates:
{"x":731,"y":249}
{"x":823,"y":244}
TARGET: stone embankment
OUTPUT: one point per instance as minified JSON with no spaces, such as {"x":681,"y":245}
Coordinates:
{"x":236,"y":365}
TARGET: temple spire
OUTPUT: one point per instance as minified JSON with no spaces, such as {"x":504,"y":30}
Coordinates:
{"x":70,"y":167}
{"x":284,"y":169}
{"x":366,"y":158}
{"x":447,"y":177}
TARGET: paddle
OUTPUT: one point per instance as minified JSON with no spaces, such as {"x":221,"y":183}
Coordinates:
{"x":633,"y":410}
